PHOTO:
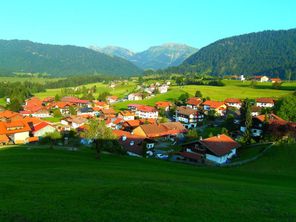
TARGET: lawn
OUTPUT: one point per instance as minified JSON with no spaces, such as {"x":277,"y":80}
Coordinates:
{"x":233,"y":91}
{"x":50,"y":185}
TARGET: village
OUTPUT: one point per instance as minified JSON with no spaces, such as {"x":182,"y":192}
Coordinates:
{"x":166,"y":130}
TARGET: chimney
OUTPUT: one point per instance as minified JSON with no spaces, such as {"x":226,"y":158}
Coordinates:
{"x":218,"y":135}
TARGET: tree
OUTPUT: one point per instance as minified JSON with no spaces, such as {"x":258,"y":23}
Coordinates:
{"x":53,"y":137}
{"x":102,"y":96}
{"x":198,"y":94}
{"x":57,"y":113}
{"x":15,"y":105}
{"x":183,"y":97}
{"x":102,"y":136}
{"x":246,"y":119}
{"x":57,"y":97}
{"x":72,"y":110}
{"x":286,"y":108}
{"x":193,"y":134}
{"x":179,"y":81}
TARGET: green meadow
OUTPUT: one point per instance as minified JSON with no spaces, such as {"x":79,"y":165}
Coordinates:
{"x":232,"y":89}
{"x":50,"y":185}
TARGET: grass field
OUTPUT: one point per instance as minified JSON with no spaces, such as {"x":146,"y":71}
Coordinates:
{"x":31,"y":79}
{"x":214,"y":92}
{"x":49,"y":185}
{"x":118,"y":91}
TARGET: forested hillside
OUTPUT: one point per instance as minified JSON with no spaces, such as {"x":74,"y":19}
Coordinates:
{"x":57,"y":60}
{"x":271,"y":53}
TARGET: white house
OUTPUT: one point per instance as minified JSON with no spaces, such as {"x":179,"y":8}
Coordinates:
{"x":135,"y":96}
{"x":42,"y":128}
{"x":163,"y":89}
{"x":219,"y":148}
{"x":145,"y":112}
{"x":188,"y":117}
{"x":233,"y":102}
{"x":265,"y":102}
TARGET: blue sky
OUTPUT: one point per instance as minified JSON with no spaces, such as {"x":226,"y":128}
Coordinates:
{"x":139,"y":24}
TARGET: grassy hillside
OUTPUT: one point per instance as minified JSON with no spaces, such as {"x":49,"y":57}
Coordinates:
{"x":49,"y":185}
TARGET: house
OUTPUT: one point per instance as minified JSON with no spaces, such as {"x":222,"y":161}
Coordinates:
{"x":17,"y":131}
{"x":134,"y":145}
{"x":142,"y":111}
{"x":74,"y":121}
{"x":218,"y":107}
{"x":112,"y":99}
{"x":114,"y":123}
{"x":265,"y":102}
{"x":193,"y":103}
{"x":107,"y":113}
{"x":160,"y":130}
{"x":36,"y":111}
{"x":126,"y":115}
{"x":261,"y":78}
{"x":242,"y":78}
{"x":255,"y":110}
{"x":219,"y":148}
{"x":163,"y":89}
{"x":188,"y":117}
{"x":135,"y":96}
{"x":275,"y":80}
{"x":233,"y":102}
{"x":130,"y":125}
{"x":163,"y":105}
{"x":259,"y":123}
{"x":48,"y":99}
{"x":64,"y":107}
{"x":76,"y":101}
{"x":42,"y":129}
{"x":86,"y":112}
{"x":101,"y":105}
{"x":7,"y":115}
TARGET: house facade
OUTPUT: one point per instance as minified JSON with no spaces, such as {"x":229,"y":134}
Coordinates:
{"x":188,"y":117}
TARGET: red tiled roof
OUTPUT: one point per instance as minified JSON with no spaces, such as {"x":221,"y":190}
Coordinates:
{"x":213,"y":104}
{"x":146,"y":108}
{"x":275,"y":79}
{"x":163,"y":129}
{"x":232,"y":100}
{"x":194,"y":101}
{"x":16,"y":127}
{"x":220,"y":145}
{"x":133,"y":123}
{"x":40,"y":126}
{"x":186,"y":111}
{"x":163,"y":104}
{"x":8,"y":114}
{"x":264,"y":100}
{"x":271,"y":118}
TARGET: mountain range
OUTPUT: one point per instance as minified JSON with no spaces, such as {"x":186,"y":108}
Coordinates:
{"x":271,"y":53}
{"x":57,"y":60}
{"x":156,"y":57}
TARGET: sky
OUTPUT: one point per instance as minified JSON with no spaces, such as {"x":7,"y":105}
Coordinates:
{"x":139,"y":24}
